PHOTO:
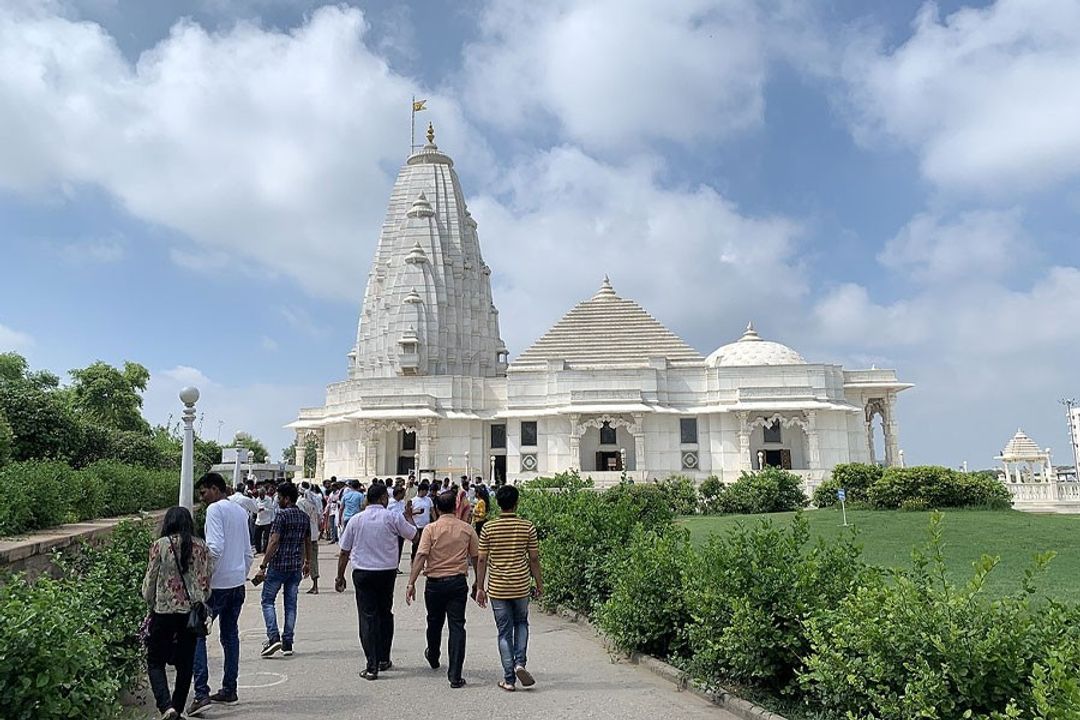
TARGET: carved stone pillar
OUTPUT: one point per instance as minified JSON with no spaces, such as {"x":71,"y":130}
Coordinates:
{"x":575,"y":442}
{"x":320,"y":454}
{"x":426,"y":443}
{"x":892,"y":431}
{"x":301,"y":451}
{"x":639,"y":442}
{"x":745,"y":461}
{"x":813,"y":449}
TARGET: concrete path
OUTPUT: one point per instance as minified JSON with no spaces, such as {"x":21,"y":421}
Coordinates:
{"x":575,"y":675}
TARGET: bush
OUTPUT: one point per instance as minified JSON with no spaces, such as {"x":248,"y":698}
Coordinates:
{"x":765,"y":491}
{"x":581,"y":531}
{"x":854,"y":478}
{"x":911,"y":644}
{"x":682,"y":494}
{"x":7,"y":440}
{"x":53,"y":665}
{"x":647,"y":610}
{"x":563,"y":481}
{"x":109,"y":578}
{"x":937,"y":487}
{"x":70,"y":645}
{"x":749,"y":595}
{"x":711,"y":490}
{"x":39,"y":494}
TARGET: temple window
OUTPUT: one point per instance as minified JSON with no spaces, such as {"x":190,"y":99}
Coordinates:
{"x":408,"y":440}
{"x":528,"y":433}
{"x":608,"y":435}
{"x":498,"y":436}
{"x":688,"y":431}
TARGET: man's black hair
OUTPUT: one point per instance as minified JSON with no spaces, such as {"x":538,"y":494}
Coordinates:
{"x":212,"y":480}
{"x":507,"y":497}
{"x":445,"y":502}
{"x":333,"y":478}
{"x":399,"y":492}
{"x":287,"y":489}
{"x":376,"y":493}
{"x":423,"y":486}
{"x":354,"y":484}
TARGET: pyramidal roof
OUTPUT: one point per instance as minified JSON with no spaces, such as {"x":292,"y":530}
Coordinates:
{"x":608,"y":330}
{"x":1022,"y":446}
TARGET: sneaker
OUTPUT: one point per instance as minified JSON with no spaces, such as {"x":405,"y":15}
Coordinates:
{"x":223,"y":698}
{"x":271,"y":647}
{"x":197,"y":706}
{"x":384,"y":666}
{"x":434,"y":663}
{"x":524,"y":676}
{"x":286,"y":648}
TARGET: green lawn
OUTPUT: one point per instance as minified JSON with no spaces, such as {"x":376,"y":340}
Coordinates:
{"x":887,"y":538}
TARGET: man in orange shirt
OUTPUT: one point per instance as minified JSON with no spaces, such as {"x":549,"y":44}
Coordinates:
{"x":447,"y":548}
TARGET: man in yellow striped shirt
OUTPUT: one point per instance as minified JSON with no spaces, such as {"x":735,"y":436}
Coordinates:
{"x":508,"y":555}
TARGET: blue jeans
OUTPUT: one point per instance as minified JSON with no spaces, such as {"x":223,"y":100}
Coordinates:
{"x":512,"y":619}
{"x":225,"y":605}
{"x":275,"y":580}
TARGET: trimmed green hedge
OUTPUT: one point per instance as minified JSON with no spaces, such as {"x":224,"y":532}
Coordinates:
{"x":69,"y":646}
{"x":44,"y":493}
{"x":916,"y":488}
{"x":812,"y":626}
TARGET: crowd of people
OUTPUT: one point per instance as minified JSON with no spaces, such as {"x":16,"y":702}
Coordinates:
{"x":191,"y":580}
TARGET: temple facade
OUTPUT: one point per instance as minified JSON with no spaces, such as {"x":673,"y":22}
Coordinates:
{"x":608,"y":391}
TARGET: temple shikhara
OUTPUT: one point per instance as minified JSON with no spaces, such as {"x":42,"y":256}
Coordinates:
{"x":608,"y":390}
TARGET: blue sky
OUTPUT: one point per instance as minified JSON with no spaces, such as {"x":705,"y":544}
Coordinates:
{"x":199,"y":186}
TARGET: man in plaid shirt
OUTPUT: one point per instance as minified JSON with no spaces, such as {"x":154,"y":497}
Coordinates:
{"x":286,"y":563}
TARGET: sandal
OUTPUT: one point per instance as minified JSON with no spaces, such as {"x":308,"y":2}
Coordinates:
{"x":508,"y":687}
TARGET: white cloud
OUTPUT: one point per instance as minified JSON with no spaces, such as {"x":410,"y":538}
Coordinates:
{"x":615,"y":72}
{"x":977,"y":244}
{"x":688,"y":255}
{"x":13,"y":340}
{"x":268,"y":343}
{"x":985,"y":96}
{"x":256,"y":407}
{"x":270,"y":148}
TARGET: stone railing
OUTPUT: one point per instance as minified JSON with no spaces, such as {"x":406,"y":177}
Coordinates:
{"x":1050,"y":496}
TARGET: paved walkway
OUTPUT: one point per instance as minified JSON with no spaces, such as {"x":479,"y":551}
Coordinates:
{"x":575,"y":675}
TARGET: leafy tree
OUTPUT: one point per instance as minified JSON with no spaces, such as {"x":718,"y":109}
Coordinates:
{"x":15,"y":369}
{"x":207,"y":453}
{"x":246,"y":440}
{"x":7,"y":440}
{"x":288,"y":455}
{"x":42,"y":422}
{"x":110,"y":396}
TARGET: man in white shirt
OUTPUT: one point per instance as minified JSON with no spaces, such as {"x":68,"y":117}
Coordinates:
{"x":311,"y":509}
{"x":248,"y":503}
{"x":419,"y":510}
{"x":229,"y":543}
{"x":397,"y":505}
{"x":267,"y":508}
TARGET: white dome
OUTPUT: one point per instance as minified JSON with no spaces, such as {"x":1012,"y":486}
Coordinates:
{"x":750,"y":349}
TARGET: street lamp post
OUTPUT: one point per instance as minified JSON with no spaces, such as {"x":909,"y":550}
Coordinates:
{"x":492,"y":473}
{"x":189,"y":396}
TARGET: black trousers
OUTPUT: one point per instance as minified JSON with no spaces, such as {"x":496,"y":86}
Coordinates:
{"x":445,"y":599}
{"x":170,"y":643}
{"x":375,"y":608}
{"x":262,"y":537}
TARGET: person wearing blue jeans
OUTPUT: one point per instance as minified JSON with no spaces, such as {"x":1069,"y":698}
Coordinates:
{"x":229,"y":541}
{"x":224,"y":606}
{"x":512,"y":621}
{"x":286,"y":563}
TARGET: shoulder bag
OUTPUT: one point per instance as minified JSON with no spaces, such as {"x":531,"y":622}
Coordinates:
{"x":198,"y":619}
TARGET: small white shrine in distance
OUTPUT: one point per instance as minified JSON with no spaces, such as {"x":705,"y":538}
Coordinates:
{"x":607,"y":390}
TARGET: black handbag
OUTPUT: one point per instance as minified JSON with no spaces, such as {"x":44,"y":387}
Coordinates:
{"x":198,"y":618}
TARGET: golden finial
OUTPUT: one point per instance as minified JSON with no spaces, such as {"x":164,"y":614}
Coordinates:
{"x":430,"y":134}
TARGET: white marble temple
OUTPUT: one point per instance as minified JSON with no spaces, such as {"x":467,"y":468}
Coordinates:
{"x":607,"y":390}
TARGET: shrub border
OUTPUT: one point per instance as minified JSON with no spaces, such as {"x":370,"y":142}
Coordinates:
{"x":722,"y":697}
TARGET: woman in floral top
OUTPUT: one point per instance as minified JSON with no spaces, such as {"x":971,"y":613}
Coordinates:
{"x":178,"y":575}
